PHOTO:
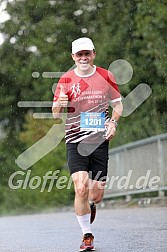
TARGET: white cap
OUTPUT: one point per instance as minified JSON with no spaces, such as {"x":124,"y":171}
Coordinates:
{"x":82,"y":44}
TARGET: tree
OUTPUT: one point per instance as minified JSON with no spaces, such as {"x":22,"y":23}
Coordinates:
{"x":38,"y":38}
{"x":136,"y":32}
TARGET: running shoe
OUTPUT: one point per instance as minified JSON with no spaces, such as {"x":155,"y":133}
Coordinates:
{"x":93,"y":212}
{"x":87,"y":243}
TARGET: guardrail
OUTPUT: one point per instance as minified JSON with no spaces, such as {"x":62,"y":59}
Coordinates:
{"x":138,"y":167}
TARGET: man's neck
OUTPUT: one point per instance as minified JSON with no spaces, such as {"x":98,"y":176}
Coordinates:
{"x":85,"y":72}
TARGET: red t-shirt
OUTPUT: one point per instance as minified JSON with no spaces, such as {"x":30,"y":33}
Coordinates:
{"x":90,"y":93}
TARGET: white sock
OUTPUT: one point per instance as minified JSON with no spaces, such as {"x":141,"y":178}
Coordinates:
{"x":84,"y":222}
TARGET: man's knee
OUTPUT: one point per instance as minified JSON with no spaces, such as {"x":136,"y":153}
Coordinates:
{"x":81,"y":185}
{"x":82,"y":191}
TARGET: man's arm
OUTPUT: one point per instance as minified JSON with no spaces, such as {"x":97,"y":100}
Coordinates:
{"x":117,"y":111}
{"x":56,"y":110}
{"x":60,"y":104}
{"x":112,"y":124}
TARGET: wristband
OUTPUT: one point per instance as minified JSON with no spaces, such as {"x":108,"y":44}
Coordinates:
{"x":115,"y":122}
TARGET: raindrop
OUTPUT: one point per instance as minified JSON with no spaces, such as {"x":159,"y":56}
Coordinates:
{"x":52,"y":2}
{"x":84,"y":30}
{"x":13,"y":40}
{"x":20,"y":33}
{"x":32,"y":49}
{"x":100,"y":5}
{"x":78,"y":12}
{"x":49,"y":40}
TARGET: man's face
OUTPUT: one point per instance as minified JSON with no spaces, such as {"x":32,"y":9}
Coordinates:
{"x":84,"y":59}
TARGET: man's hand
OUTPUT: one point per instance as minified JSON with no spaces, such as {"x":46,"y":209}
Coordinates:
{"x":63,"y":98}
{"x":112,"y":124}
{"x":111,"y":130}
{"x":60,"y":103}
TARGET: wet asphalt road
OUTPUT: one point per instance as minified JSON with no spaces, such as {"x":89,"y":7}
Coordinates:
{"x":115,"y":230}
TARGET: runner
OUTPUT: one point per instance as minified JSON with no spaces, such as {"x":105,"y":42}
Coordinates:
{"x":87,"y":91}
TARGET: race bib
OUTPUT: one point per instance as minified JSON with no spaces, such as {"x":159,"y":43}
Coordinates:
{"x":92,"y":121}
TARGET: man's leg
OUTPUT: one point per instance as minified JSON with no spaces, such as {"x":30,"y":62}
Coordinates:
{"x":96,"y":191}
{"x":98,"y":175}
{"x":81,"y":203}
{"x":79,"y":166}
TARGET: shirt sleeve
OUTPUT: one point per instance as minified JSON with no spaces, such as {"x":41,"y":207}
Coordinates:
{"x":114,"y":92}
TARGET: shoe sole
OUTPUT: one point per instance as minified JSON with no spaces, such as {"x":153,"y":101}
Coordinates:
{"x":93,"y":214}
{"x":88,"y":249}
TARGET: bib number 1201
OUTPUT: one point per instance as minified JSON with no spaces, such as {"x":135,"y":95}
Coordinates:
{"x":92,"y":121}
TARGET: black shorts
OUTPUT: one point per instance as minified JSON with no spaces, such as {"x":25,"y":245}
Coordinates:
{"x":96,"y":164}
